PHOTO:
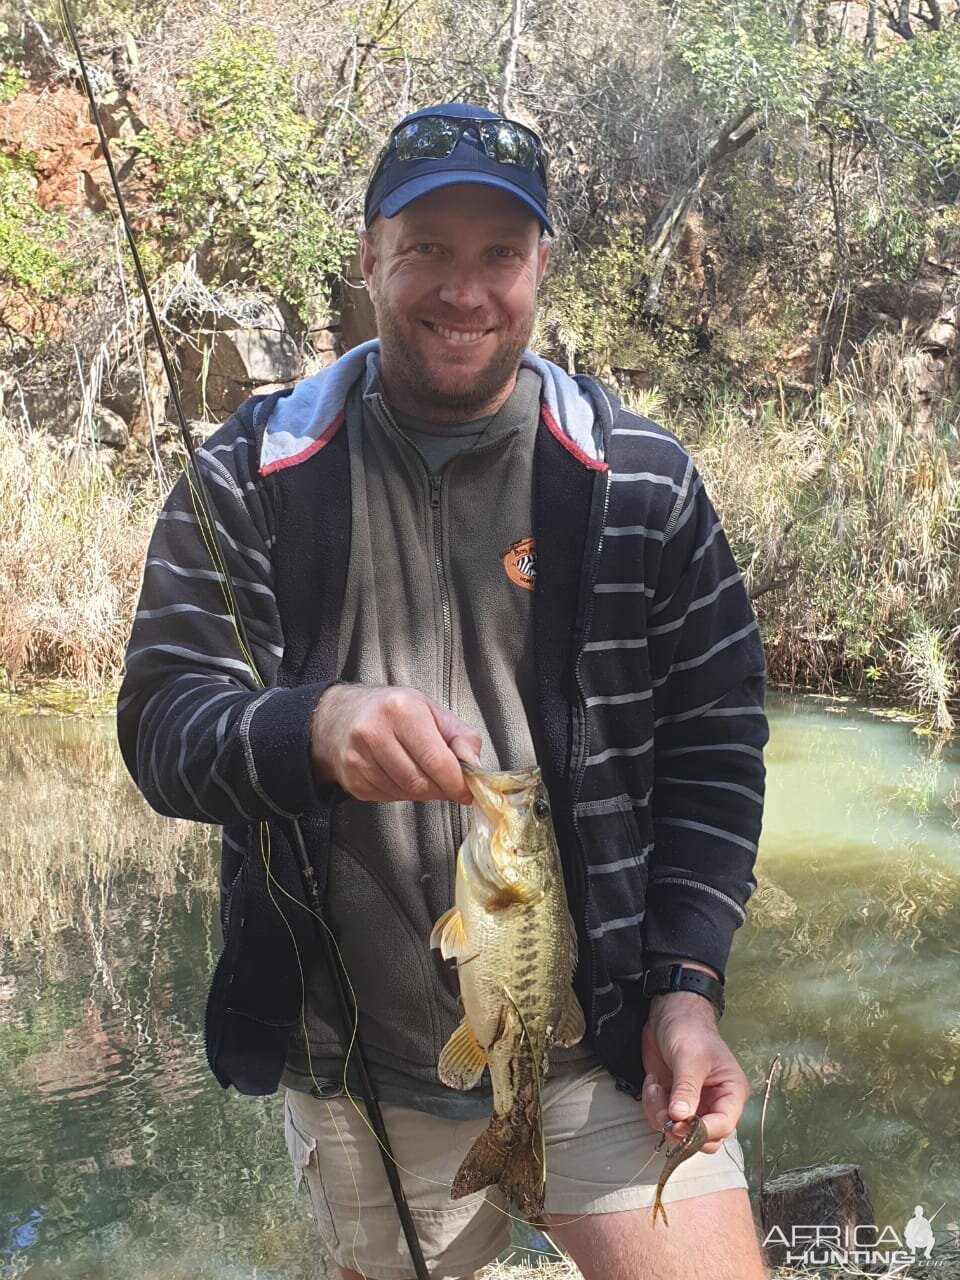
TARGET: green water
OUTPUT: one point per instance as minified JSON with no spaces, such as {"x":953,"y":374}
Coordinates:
{"x":120,"y":1156}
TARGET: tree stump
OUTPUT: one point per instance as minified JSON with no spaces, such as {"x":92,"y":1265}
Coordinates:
{"x":809,"y":1210}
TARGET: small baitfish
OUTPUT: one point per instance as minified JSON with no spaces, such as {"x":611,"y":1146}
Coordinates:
{"x":514,"y":943}
{"x":695,"y":1137}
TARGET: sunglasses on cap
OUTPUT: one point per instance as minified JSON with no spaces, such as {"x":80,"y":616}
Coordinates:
{"x":424,"y":149}
{"x":435,"y":138}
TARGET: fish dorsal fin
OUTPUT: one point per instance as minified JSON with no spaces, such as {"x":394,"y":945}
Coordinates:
{"x":572,"y":1024}
{"x":461,"y":1060}
{"x":574,"y":944}
{"x":450,"y":935}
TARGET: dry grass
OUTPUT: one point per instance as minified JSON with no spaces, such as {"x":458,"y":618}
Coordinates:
{"x":72,"y":542}
{"x":844,"y":510}
{"x":546,"y":1271}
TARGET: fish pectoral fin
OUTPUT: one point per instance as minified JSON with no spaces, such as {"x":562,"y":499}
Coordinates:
{"x":450,"y":935}
{"x":572,"y":1025}
{"x":461,"y":1060}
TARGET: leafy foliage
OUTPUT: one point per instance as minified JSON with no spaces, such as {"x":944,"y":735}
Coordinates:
{"x":29,"y":255}
{"x":249,"y":183}
{"x":915,"y":91}
{"x":741,"y":53}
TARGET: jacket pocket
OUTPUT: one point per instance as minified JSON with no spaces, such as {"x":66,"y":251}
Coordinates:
{"x":616,"y":870}
{"x":616,"y":864}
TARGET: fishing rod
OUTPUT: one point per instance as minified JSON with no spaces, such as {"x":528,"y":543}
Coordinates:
{"x":311,"y":892}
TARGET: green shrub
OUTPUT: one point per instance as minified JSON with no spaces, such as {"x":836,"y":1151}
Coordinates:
{"x":29,"y":256}
{"x":12,"y":80}
{"x":250,"y":183}
{"x":592,"y":303}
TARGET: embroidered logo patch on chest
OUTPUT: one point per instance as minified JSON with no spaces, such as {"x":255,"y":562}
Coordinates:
{"x":520,"y":562}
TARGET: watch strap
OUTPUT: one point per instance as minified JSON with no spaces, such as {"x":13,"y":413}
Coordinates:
{"x":678,"y":977}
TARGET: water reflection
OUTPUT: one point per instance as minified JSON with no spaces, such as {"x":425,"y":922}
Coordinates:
{"x":119,"y":1154}
{"x":848,"y":965}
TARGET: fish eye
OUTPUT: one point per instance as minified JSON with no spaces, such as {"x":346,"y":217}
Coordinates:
{"x":541,"y":809}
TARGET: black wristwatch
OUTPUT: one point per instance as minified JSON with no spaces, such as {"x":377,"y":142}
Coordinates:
{"x":677,"y":977}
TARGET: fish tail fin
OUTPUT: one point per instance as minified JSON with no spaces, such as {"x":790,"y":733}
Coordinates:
{"x":659,"y":1211}
{"x":508,"y":1155}
{"x":484,"y":1163}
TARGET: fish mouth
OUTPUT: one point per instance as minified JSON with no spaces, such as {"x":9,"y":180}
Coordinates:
{"x":505,"y":781}
{"x":493,"y":790}
{"x":492,"y":851}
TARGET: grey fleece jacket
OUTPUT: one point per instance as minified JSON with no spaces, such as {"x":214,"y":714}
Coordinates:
{"x":426,"y":607}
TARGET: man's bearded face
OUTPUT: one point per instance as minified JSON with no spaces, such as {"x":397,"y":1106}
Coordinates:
{"x":453,"y":279}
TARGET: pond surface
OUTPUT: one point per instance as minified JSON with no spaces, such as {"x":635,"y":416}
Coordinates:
{"x":120,"y":1155}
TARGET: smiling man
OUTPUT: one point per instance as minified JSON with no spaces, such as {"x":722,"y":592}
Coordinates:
{"x":454,"y":285}
{"x":446,"y":549}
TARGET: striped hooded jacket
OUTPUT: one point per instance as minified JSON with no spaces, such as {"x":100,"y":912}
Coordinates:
{"x":650,"y":672}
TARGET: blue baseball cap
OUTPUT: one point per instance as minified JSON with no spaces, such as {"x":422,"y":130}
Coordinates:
{"x":476,"y":156}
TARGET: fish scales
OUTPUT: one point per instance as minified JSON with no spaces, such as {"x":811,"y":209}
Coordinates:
{"x":514,"y":944}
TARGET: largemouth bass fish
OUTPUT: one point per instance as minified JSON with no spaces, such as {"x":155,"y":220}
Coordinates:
{"x":514,"y":943}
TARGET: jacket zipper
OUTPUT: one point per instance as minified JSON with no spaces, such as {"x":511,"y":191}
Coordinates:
{"x":229,"y":902}
{"x":580,"y":766}
{"x":456,"y":819}
{"x":456,"y":815}
{"x":447,"y":655}
{"x":447,"y":677}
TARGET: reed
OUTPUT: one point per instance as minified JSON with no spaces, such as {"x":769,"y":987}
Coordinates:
{"x":73,"y":536}
{"x":843,"y":508}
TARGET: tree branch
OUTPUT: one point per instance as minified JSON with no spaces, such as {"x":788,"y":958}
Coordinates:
{"x":899,"y":21}
{"x":669,"y":226}
{"x":511,"y":47}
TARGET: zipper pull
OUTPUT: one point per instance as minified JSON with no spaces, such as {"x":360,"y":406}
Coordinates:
{"x":435,"y":492}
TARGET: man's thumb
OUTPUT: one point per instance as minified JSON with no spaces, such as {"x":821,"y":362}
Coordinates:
{"x":464,"y":742}
{"x":684,"y":1097}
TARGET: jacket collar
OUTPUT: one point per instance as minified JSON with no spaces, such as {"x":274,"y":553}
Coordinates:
{"x":577,"y":410}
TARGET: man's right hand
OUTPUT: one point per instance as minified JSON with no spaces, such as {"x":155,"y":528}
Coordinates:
{"x":382,"y":743}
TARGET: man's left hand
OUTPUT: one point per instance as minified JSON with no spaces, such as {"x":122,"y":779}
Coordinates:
{"x":689,"y":1069}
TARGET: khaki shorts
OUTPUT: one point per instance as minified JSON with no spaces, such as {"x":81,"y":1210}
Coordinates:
{"x":599,"y":1149}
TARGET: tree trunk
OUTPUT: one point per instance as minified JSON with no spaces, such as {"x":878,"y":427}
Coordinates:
{"x":669,"y":226}
{"x":795,"y":1203}
{"x":510,"y":57}
{"x":870,"y":40}
{"x":935,"y":21}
